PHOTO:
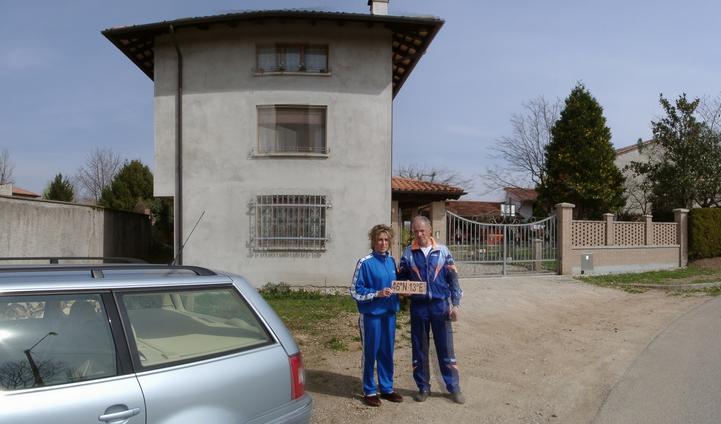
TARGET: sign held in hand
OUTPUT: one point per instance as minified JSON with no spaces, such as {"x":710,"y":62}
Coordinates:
{"x":409,"y":287}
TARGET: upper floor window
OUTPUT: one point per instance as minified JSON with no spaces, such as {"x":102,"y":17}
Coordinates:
{"x":292,"y":58}
{"x":291,"y":129}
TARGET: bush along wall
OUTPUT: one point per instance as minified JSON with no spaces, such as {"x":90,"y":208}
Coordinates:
{"x":704,"y":233}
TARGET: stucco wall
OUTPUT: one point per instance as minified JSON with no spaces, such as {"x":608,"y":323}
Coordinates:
{"x":619,"y":259}
{"x":45,"y":228}
{"x":222,"y":177}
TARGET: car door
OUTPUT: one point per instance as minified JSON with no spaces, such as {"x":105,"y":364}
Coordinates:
{"x":59,"y":361}
{"x":202,"y":355}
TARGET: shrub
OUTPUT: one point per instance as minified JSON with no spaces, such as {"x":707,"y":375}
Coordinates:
{"x":704,"y":233}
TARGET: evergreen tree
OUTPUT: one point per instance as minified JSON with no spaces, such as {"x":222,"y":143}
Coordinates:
{"x":580,"y":165}
{"x":59,"y":189}
{"x":131,"y":189}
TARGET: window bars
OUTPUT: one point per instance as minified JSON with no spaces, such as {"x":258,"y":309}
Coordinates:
{"x":286,"y":222}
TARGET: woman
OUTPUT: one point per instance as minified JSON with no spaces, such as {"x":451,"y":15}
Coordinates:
{"x":377,"y":306}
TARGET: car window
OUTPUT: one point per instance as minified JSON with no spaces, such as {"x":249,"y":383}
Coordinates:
{"x":54,"y":339}
{"x":173,"y":326}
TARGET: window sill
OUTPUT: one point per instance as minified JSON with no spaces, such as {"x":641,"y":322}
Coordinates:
{"x":292,"y":73}
{"x":290,"y":155}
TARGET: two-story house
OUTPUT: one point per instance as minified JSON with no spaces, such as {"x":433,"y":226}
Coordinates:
{"x":276,"y":127}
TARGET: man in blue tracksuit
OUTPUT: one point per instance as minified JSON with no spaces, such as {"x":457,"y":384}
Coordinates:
{"x":371,"y":289}
{"x":425,"y":260}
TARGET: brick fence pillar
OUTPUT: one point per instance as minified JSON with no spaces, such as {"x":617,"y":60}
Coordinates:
{"x":564,"y":215}
{"x":681,"y":218}
{"x":648,"y":219}
{"x":610,"y":234}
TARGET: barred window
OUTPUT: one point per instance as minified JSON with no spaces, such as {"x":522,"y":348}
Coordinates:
{"x":292,"y":58}
{"x":284,"y":129}
{"x":290,"y":222}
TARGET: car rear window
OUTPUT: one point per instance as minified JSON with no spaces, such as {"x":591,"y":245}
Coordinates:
{"x":177,"y":326}
{"x":47,"y":340}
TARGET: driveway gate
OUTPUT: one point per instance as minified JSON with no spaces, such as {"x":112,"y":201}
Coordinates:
{"x":493,"y":249}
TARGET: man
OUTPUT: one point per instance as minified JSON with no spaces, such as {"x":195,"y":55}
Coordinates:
{"x":426,"y":260}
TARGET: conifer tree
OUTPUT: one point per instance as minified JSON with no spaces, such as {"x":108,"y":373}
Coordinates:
{"x":580,"y":165}
{"x":59,"y":188}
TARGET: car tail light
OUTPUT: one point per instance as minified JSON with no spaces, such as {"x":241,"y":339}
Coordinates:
{"x":297,"y":376}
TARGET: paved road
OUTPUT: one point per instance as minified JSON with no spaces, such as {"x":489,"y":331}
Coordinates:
{"x":677,"y":379}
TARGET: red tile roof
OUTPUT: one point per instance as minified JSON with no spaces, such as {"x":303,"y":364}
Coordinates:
{"x":21,"y":192}
{"x":408,"y":185}
{"x":522,"y":194}
{"x":473,"y":208}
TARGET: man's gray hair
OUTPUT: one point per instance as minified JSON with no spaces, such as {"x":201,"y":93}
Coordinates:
{"x":422,"y":219}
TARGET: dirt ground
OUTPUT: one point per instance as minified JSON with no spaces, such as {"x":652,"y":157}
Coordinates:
{"x":541,"y":349}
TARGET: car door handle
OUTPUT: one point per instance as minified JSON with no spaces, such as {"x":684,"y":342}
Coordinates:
{"x":119,"y":415}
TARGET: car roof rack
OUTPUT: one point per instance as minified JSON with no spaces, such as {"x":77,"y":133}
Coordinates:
{"x":97,"y":270}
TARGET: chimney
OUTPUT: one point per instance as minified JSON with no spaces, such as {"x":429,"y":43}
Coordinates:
{"x":378,"y":7}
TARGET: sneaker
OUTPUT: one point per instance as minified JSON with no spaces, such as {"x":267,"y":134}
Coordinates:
{"x":392,"y":397}
{"x":372,"y":400}
{"x":458,"y":398}
{"x":420,"y":396}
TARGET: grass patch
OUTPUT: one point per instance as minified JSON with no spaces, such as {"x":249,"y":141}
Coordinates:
{"x":633,"y":282}
{"x":304,"y":310}
{"x":336,"y":344}
{"x":652,"y":277}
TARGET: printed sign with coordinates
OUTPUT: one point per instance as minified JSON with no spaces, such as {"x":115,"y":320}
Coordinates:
{"x":409,"y":287}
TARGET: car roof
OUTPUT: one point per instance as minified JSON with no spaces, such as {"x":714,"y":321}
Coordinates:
{"x":103,"y":276}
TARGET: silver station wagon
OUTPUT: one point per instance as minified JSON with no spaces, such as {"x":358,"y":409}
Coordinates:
{"x":143,"y":344}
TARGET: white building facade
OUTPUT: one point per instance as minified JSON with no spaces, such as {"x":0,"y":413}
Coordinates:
{"x":284,"y":122}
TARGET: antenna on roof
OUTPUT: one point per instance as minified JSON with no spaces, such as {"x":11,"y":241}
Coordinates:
{"x":180,"y":251}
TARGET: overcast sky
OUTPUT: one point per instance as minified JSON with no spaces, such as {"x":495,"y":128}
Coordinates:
{"x":65,"y":89}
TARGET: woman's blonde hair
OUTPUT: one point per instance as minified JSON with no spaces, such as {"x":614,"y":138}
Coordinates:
{"x":377,"y":230}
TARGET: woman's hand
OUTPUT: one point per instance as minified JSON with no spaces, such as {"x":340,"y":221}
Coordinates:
{"x":385,"y":292}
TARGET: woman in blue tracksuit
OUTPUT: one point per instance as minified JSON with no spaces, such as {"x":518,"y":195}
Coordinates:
{"x":377,"y":305}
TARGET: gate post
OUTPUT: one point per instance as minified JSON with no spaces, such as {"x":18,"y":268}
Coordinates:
{"x":537,"y":254}
{"x":681,"y":218}
{"x":438,"y":221}
{"x":564,"y":214}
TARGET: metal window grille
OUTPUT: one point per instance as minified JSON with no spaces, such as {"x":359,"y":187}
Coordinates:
{"x":290,"y":222}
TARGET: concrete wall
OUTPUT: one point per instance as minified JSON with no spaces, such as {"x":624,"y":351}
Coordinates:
{"x":221,"y":174}
{"x":612,"y":252}
{"x":31,"y":227}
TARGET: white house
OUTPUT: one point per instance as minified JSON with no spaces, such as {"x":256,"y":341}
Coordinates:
{"x":637,"y":198}
{"x":276,"y":125}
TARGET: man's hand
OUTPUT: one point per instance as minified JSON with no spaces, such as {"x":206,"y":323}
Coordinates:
{"x":385,"y":292}
{"x":455,"y":313}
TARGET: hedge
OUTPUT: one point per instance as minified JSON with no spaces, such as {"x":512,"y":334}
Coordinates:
{"x":704,"y":233}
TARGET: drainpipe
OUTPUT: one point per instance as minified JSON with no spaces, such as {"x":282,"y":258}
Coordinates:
{"x":178,"y":202}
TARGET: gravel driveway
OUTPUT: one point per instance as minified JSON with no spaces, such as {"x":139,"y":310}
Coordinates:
{"x":532,"y":349}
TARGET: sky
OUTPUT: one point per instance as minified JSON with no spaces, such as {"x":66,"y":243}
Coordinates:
{"x":65,"y":89}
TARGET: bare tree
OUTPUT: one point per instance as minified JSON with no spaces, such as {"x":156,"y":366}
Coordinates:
{"x":97,"y":173}
{"x":7,"y":167}
{"x":433,"y":174}
{"x":524,"y":151}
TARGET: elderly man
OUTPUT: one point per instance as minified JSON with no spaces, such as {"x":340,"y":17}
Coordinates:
{"x":426,"y":260}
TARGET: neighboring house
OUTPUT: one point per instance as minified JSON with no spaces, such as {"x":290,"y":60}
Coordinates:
{"x":637,"y":199}
{"x":277,"y":125}
{"x":522,"y":200}
{"x":472,"y":209}
{"x":14,"y":191}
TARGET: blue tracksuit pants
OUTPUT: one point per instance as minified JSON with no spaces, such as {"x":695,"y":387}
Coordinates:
{"x":433,"y":316}
{"x":378,"y":333}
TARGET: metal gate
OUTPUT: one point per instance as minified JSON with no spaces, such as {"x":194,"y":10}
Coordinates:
{"x":499,"y":248}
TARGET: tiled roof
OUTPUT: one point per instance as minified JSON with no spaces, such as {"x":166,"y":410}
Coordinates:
{"x":17,"y":191}
{"x":473,"y":208}
{"x":522,"y":194}
{"x":632,"y":147}
{"x":408,"y":185}
{"x":411,"y":35}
